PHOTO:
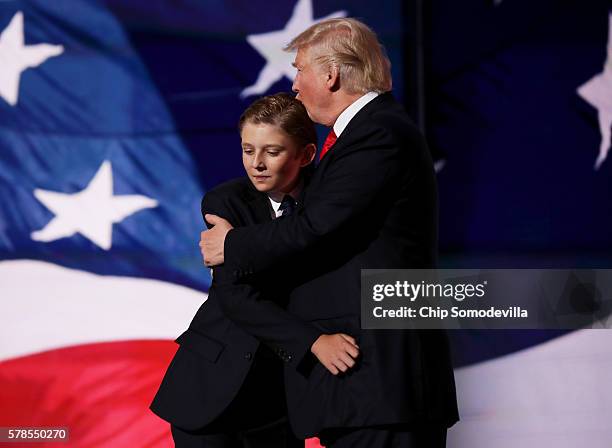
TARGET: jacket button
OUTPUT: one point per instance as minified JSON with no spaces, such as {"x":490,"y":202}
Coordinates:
{"x":248,"y":356}
{"x":289,"y":358}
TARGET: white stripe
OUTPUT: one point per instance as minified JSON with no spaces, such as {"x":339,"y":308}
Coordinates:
{"x":555,"y":394}
{"x":45,"y":306}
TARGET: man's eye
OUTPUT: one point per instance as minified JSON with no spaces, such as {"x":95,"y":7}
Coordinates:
{"x":248,"y":151}
{"x":273,"y":153}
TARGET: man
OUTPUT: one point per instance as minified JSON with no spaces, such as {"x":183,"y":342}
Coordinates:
{"x":223,"y":388}
{"x":371,"y":204}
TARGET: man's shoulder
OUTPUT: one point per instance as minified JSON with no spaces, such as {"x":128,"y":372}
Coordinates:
{"x":383,"y":117}
{"x":388,"y":113}
{"x":385,"y":120}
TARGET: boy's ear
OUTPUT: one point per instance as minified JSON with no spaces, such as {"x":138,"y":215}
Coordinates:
{"x":308,"y":154}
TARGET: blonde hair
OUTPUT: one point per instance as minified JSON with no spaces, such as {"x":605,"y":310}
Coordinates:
{"x":353,"y":48}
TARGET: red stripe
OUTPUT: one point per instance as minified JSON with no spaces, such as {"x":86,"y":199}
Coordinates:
{"x":101,"y":392}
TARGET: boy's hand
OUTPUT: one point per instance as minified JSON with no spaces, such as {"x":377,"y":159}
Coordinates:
{"x":337,"y":352}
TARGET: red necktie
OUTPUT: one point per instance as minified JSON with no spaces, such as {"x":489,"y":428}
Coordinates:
{"x":329,"y":142}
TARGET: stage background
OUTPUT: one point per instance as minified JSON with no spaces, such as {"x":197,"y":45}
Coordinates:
{"x":117,"y":116}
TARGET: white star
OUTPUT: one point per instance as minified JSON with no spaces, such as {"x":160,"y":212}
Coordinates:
{"x":90,"y":212}
{"x":598,"y":92}
{"x":15,"y":57}
{"x":270,"y":46}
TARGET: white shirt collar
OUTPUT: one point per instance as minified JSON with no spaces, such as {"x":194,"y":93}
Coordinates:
{"x":275,"y":207}
{"x":347,"y":114}
{"x":276,"y":204}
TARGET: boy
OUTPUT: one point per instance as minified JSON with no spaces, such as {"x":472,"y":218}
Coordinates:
{"x":224,"y":388}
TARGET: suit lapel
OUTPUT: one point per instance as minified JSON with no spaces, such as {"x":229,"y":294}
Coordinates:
{"x":359,"y":121}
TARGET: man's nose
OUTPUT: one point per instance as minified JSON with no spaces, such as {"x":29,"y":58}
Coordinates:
{"x":294,"y":86}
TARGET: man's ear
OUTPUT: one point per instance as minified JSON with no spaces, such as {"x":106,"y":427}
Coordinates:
{"x":333,"y":78}
{"x":308,"y":154}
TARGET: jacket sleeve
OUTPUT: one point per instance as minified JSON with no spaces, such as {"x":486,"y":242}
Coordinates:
{"x":352,"y":184}
{"x":287,"y":335}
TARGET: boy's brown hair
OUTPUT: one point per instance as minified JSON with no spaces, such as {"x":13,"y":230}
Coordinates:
{"x":284,"y":111}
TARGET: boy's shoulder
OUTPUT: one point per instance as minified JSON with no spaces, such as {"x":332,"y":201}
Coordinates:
{"x":240,"y":187}
{"x":228,"y":199}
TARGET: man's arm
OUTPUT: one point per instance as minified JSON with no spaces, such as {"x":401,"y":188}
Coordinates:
{"x":287,"y":335}
{"x":352,"y":185}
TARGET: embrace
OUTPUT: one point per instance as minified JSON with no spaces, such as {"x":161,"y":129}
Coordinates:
{"x":277,"y":354}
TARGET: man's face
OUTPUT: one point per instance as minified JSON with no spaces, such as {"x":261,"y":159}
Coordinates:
{"x":271,"y":158}
{"x":310,"y":84}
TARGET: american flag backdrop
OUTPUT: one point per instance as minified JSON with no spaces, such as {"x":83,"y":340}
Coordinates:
{"x":116,"y":116}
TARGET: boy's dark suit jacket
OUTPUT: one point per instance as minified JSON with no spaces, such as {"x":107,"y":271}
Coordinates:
{"x":371,"y":204}
{"x":215,"y":354}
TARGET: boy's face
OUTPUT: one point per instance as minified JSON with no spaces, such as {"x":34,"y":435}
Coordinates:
{"x":271,"y":158}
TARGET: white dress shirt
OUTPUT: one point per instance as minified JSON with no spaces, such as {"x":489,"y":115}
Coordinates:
{"x":347,"y":114}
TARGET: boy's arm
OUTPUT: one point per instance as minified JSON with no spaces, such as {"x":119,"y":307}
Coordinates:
{"x":289,"y":337}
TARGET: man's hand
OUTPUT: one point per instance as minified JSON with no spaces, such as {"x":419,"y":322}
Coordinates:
{"x":337,"y":352}
{"x":212,"y":241}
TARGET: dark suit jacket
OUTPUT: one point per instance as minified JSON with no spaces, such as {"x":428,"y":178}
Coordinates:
{"x":215,"y":354}
{"x":371,"y":204}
